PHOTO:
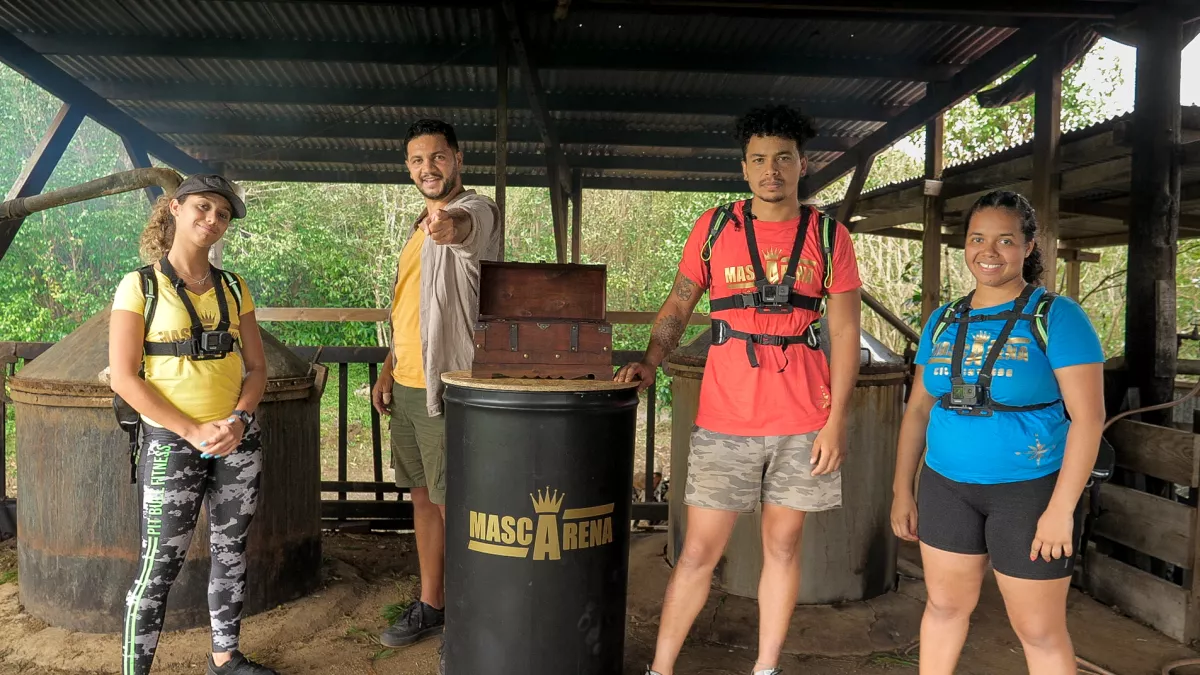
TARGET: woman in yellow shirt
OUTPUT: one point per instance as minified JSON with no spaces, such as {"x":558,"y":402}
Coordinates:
{"x":174,"y":357}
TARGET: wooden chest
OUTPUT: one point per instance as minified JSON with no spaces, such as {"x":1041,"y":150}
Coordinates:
{"x":542,"y":320}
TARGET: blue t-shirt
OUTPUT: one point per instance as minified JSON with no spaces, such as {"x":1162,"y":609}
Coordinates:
{"x":1008,"y":446}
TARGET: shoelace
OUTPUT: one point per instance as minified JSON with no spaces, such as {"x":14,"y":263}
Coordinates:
{"x":414,"y":615}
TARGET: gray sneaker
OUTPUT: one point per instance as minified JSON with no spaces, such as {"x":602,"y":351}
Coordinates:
{"x":238,"y":665}
{"x":417,"y":622}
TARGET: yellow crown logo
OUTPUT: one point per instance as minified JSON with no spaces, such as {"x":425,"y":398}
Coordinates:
{"x":547,"y":503}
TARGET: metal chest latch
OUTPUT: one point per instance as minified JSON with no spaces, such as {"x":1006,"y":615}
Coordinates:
{"x":514,"y":331}
{"x":574,"y":337}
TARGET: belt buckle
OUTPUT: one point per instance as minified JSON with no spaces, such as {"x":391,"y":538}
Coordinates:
{"x":770,"y":340}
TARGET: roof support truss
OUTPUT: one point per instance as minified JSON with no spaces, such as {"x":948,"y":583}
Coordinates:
{"x":937,"y":100}
{"x":46,"y":75}
{"x":41,"y":165}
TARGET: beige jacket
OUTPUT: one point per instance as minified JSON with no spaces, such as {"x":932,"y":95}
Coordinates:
{"x":450,"y":293}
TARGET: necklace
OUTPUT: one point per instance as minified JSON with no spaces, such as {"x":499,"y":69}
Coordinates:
{"x":196,"y":282}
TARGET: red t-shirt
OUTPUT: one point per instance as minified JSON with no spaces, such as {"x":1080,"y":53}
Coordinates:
{"x":735,"y":398}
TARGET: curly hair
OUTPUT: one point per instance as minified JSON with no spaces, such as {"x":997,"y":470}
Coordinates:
{"x":1020,"y":207}
{"x":776,"y":120}
{"x":159,"y":233}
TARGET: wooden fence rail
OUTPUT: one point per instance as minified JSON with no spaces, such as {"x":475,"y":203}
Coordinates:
{"x":1163,"y":528}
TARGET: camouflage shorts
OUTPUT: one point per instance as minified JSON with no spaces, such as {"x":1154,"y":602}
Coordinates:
{"x":735,"y":473}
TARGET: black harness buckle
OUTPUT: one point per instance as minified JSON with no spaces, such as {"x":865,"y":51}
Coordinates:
{"x":720,"y":332}
{"x":770,"y":340}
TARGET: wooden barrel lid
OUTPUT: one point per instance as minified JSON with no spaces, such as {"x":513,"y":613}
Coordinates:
{"x":462,"y":378}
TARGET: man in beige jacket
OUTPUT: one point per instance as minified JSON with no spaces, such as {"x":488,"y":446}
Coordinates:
{"x":434,"y":305}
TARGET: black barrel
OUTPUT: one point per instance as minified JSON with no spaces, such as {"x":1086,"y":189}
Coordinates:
{"x":539,"y":478}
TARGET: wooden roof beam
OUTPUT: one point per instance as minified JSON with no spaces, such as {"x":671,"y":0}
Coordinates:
{"x":787,"y":62}
{"x":983,"y":12}
{"x":956,"y":241}
{"x":568,"y":134}
{"x":1119,"y":212}
{"x":404,"y":97}
{"x":352,"y":156}
{"x":50,"y":77}
{"x":514,"y":180}
{"x":937,"y":100}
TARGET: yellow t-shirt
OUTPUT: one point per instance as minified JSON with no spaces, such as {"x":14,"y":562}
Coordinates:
{"x":408,"y":369}
{"x":206,"y":390}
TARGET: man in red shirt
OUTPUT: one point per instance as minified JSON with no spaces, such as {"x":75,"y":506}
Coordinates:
{"x":771,"y":425}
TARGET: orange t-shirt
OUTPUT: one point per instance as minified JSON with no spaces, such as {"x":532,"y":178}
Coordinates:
{"x":408,"y":368}
{"x":735,"y":398}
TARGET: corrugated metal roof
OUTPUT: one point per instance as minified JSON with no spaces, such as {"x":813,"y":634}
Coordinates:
{"x":450,"y":29}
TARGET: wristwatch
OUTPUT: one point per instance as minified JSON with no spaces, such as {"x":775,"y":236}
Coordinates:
{"x":244,"y":416}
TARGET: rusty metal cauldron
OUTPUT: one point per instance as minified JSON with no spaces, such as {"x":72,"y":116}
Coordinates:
{"x":78,"y":514}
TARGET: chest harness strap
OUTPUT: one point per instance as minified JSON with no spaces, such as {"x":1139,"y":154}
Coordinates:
{"x":975,"y":399}
{"x":769,"y":298}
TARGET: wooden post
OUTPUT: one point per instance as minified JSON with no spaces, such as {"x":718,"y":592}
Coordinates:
{"x":40,"y":165}
{"x":861,"y":171}
{"x":216,"y":254}
{"x":559,"y":204}
{"x":1074,"y":268}
{"x":1150,"y":353}
{"x":502,"y":129}
{"x":931,"y":239}
{"x":141,"y":160}
{"x":557,"y":172}
{"x":576,"y":214}
{"x":1047,"y":133}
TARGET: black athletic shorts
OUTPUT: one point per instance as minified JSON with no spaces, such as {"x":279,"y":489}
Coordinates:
{"x":999,"y":520}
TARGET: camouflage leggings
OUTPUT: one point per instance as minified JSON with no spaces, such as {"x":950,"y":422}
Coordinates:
{"x":174,"y":482}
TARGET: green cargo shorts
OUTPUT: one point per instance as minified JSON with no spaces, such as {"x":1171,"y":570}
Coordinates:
{"x":418,"y":443}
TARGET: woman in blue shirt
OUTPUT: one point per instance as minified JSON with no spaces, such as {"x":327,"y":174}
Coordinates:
{"x":998,"y":374}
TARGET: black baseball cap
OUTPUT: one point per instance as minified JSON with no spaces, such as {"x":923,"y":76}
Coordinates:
{"x":211,"y":182}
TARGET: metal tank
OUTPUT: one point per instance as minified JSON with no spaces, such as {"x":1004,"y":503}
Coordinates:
{"x":77,"y":517}
{"x":848,"y":554}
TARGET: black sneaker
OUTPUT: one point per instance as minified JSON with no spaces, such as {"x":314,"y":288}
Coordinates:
{"x":238,"y":665}
{"x":417,"y":622}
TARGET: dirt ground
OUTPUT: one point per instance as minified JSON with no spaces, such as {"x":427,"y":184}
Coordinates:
{"x":333,"y":631}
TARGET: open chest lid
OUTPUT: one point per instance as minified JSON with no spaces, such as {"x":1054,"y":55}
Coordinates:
{"x":543,"y":291}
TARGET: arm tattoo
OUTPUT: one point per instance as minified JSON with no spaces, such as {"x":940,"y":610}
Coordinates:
{"x":667,"y":333}
{"x":685,"y":288}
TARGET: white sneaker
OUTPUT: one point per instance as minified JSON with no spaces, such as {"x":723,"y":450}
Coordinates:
{"x":772,"y":671}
